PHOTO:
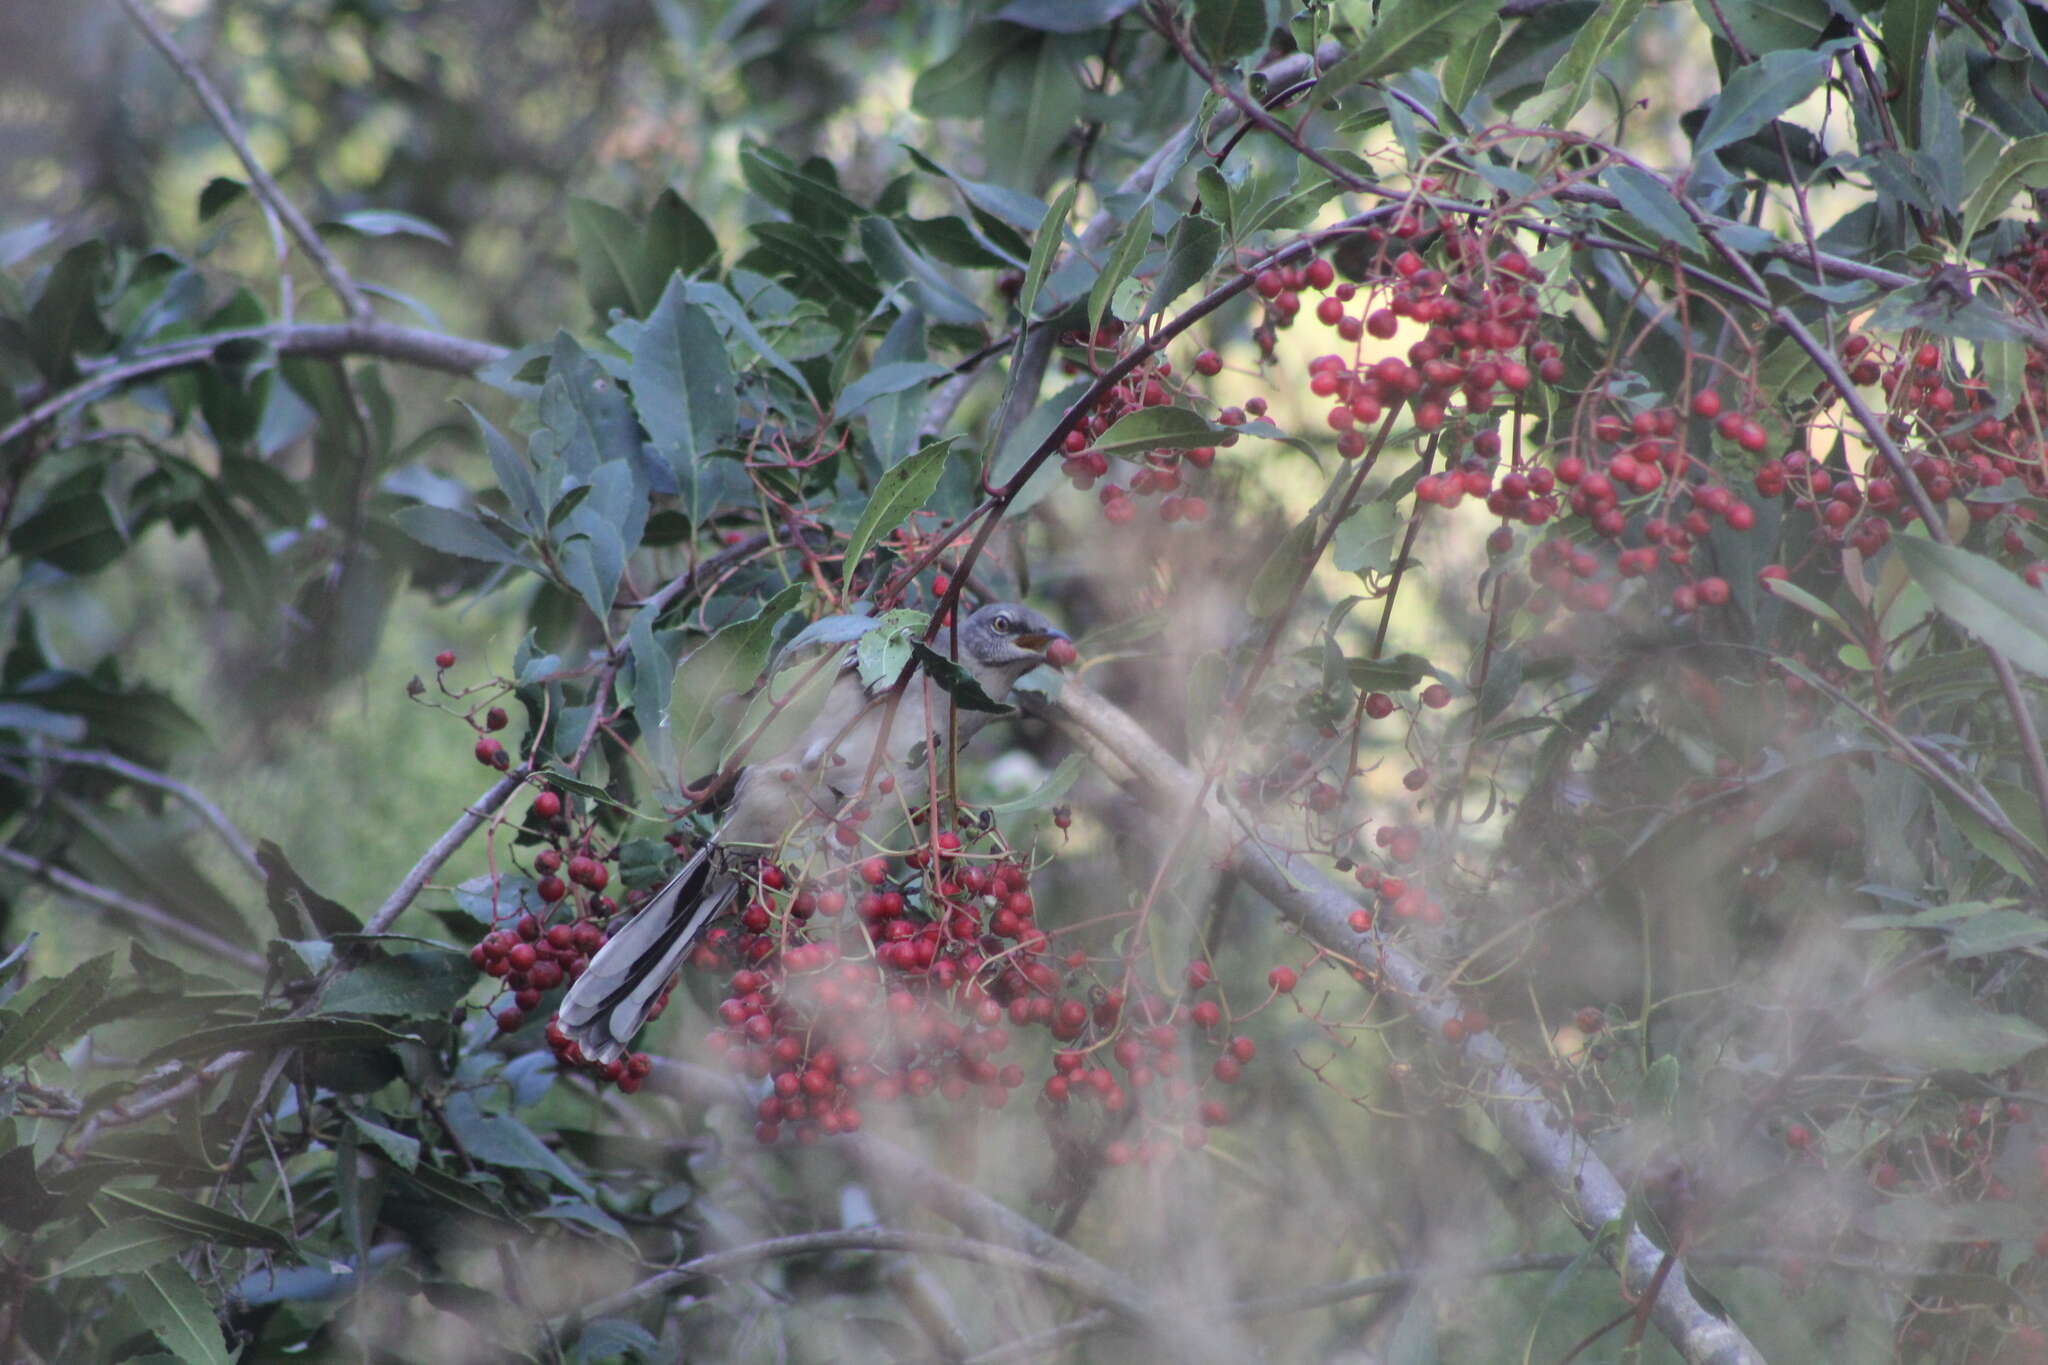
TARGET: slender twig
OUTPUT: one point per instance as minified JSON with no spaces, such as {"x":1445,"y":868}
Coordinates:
{"x":155,"y":916}
{"x":408,"y":345}
{"x":443,"y":849}
{"x":214,"y":816}
{"x":353,"y":299}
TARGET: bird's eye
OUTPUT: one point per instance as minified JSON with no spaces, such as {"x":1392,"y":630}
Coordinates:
{"x":1002,"y":625}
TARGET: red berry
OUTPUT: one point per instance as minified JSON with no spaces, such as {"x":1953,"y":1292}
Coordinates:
{"x":551,"y":889}
{"x":1706,"y":403}
{"x":490,"y":752}
{"x":1282,"y":979}
{"x":445,"y":659}
{"x":1208,"y":363}
{"x":496,"y":719}
{"x":1436,"y":696}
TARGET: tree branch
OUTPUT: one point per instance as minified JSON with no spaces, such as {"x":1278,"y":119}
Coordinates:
{"x":1300,"y":891}
{"x":153,"y":915}
{"x":352,"y":298}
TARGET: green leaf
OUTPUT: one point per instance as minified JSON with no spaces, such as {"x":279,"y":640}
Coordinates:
{"x":1758,"y":93}
{"x":427,"y":983}
{"x":454,"y":533}
{"x":1466,"y":67}
{"x":882,"y":653}
{"x":121,"y":1247}
{"x":403,"y":1150}
{"x":1787,"y":591}
{"x":515,"y":475}
{"x":389,"y":223}
{"x":1908,"y":26}
{"x":1123,"y":259}
{"x":65,"y":320}
{"x":677,"y":240}
{"x":500,"y":1140}
{"x":884,"y":380}
{"x":268,"y":1035}
{"x":296,"y":907}
{"x":1161,"y":428}
{"x":1046,"y":245}
{"x":1989,"y":601}
{"x":1650,"y":202}
{"x":899,"y":492}
{"x":683,"y":382}
{"x":220,"y":192}
{"x":725,"y":664}
{"x":1368,"y":540}
{"x":2024,"y":165}
{"x":168,"y":1299}
{"x":1570,"y":83}
{"x":1398,"y":674}
{"x":1760,"y":26}
{"x":51,"y":1010}
{"x":1273,"y":586}
{"x":959,"y":684}
{"x":1190,"y":255}
{"x":173,"y":1210}
{"x":1229,"y":29}
{"x":1941,"y":1028}
{"x":610,"y":260}
{"x":1413,"y":33}
{"x":1058,"y":784}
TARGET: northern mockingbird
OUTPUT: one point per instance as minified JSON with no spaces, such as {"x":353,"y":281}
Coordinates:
{"x":801,"y":788}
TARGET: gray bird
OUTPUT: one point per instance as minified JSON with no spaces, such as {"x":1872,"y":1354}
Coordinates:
{"x":774,"y":798}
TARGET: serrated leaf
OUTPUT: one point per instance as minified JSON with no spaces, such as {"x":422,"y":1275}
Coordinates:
{"x":169,"y":1300}
{"x":899,"y":492}
{"x":1984,"y":598}
{"x":454,"y":533}
{"x":51,"y":1010}
{"x":683,"y":386}
{"x":1758,"y":93}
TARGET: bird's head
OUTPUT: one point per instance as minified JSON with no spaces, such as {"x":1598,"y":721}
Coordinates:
{"x":1005,"y":635}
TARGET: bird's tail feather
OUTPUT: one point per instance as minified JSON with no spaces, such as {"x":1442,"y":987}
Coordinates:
{"x":606,"y":1005}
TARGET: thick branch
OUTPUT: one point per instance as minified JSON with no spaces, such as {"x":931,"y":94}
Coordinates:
{"x":1322,"y":908}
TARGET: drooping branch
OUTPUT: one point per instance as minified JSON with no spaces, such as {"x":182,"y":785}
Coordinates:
{"x":156,"y":917}
{"x":1535,"y":1127}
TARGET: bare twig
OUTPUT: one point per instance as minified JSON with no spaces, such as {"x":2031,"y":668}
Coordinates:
{"x":237,"y":843}
{"x":155,"y":916}
{"x":407,"y":345}
{"x":443,"y":849}
{"x":353,"y":299}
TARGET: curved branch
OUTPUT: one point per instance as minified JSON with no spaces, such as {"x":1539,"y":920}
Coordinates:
{"x":1299,"y":890}
{"x":156,"y":917}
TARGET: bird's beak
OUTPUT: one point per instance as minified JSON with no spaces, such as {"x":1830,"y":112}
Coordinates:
{"x":1058,"y":650}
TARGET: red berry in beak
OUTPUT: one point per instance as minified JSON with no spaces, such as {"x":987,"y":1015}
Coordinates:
{"x":1060,"y":653}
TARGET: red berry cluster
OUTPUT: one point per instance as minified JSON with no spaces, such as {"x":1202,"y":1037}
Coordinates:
{"x":1164,"y":472}
{"x":907,"y":995}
